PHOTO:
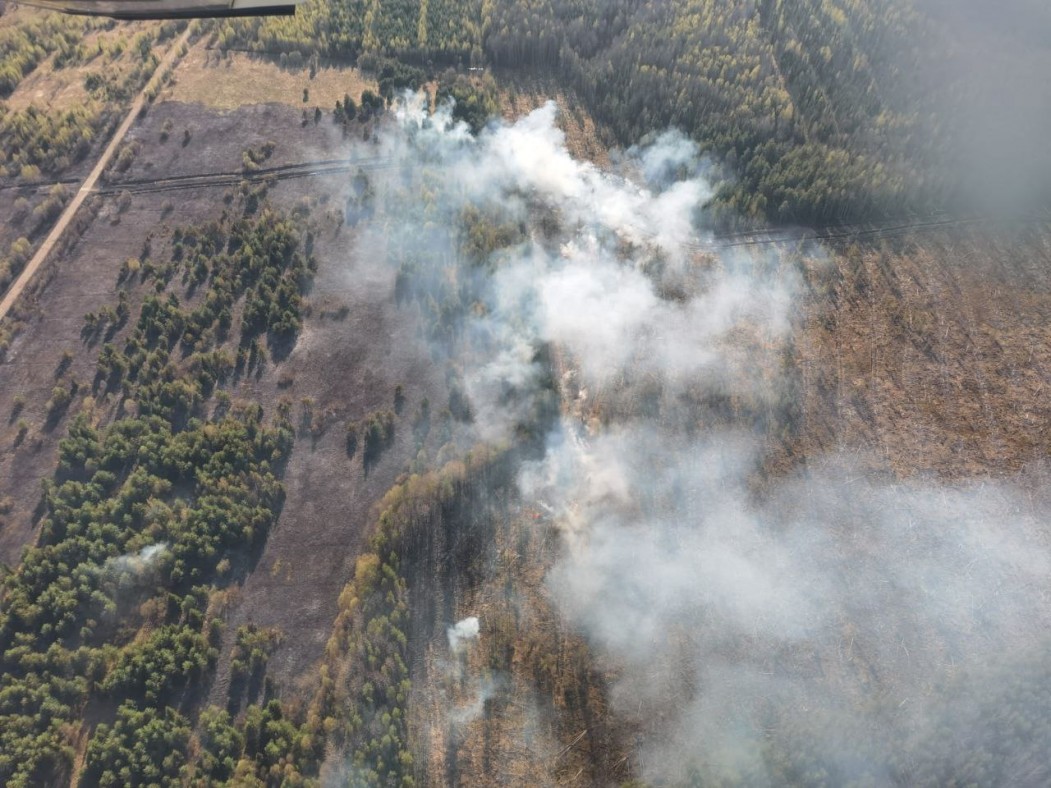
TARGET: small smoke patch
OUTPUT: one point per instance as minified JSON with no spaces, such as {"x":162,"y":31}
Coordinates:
{"x":135,"y":564}
{"x":482,"y":691}
{"x":463,"y":633}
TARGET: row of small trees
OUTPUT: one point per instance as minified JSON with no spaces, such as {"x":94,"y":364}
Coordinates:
{"x":367,"y":656}
{"x":25,"y":45}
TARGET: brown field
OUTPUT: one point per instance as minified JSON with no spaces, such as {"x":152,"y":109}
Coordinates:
{"x":932,"y":354}
{"x":235,"y":79}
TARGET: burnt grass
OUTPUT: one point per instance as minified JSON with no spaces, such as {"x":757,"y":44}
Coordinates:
{"x":356,"y":347}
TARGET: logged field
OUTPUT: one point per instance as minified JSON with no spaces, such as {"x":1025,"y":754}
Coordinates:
{"x":931,"y":352}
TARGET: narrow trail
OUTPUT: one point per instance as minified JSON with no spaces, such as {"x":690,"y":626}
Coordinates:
{"x":308,"y":169}
{"x":88,"y":186}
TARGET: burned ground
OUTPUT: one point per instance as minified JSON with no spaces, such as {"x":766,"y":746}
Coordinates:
{"x":353,"y":352}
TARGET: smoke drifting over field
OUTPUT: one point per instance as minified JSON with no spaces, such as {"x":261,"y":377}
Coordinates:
{"x":832,"y":627}
{"x":841,"y":625}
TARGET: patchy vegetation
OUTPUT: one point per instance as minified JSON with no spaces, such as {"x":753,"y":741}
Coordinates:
{"x":24,"y":46}
{"x":144,"y":514}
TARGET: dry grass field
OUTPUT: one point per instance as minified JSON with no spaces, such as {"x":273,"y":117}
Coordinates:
{"x":235,"y":79}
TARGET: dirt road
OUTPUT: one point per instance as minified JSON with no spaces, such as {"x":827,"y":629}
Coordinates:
{"x":89,"y":183}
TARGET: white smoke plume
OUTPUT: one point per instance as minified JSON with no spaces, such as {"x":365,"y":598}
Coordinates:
{"x":463,"y":633}
{"x":128,"y":575}
{"x":135,"y":564}
{"x":468,"y":702}
{"x":835,"y":628}
{"x":619,"y":283}
{"x":840,"y":619}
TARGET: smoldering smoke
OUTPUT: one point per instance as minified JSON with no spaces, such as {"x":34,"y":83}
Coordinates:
{"x":837,"y":628}
{"x":135,"y":564}
{"x":462,"y":633}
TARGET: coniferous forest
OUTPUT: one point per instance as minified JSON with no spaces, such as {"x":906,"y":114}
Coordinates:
{"x":824,"y":111}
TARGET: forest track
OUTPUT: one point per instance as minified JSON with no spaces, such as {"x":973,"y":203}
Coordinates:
{"x":309,"y":169}
{"x":88,"y":186}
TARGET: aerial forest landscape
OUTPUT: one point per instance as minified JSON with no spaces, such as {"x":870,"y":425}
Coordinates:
{"x":527,"y":393}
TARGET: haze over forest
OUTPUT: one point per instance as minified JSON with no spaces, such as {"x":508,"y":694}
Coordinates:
{"x":488,"y":392}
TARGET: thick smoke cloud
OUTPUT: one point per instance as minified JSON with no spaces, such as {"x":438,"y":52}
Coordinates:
{"x":840,"y":622}
{"x":607,"y":269}
{"x":827,"y":628}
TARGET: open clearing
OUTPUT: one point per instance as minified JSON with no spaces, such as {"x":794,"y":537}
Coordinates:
{"x":236,"y":79}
